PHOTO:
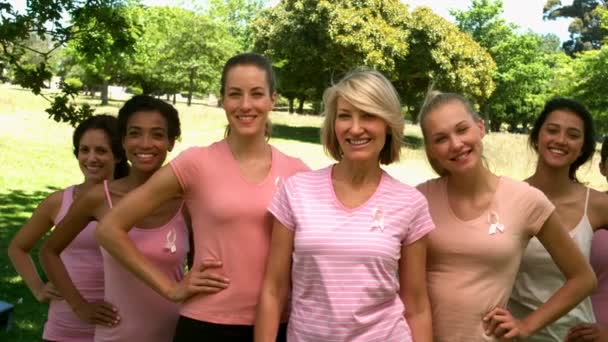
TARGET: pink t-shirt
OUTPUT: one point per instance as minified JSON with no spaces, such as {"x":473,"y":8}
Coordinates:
{"x":82,"y":260}
{"x":599,"y":261}
{"x":230,"y":223}
{"x":471,"y":271}
{"x":346,"y":261}
{"x":144,"y":314}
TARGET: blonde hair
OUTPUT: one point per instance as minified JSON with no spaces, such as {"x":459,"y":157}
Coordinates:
{"x":433,"y":100}
{"x":371,"y":92}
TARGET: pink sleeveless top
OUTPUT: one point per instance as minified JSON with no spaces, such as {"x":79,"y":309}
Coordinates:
{"x":82,"y":259}
{"x":144,"y":314}
{"x":599,"y":261}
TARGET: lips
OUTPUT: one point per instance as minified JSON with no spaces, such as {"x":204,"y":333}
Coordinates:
{"x":461,"y":156}
{"x":358,"y":142}
{"x":145,"y":157}
{"x":558,"y":151}
{"x":246,"y":118}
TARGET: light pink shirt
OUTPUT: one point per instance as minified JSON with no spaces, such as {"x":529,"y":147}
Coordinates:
{"x":599,"y":261}
{"x":346,"y":261}
{"x":144,"y":314}
{"x":471,"y":271}
{"x":230,"y":223}
{"x":82,"y":260}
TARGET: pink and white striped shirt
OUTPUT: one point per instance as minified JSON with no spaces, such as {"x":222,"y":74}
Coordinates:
{"x":346,"y":261}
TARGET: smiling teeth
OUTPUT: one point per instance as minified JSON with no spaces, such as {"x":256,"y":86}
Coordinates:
{"x":558,"y":151}
{"x":358,"y":142}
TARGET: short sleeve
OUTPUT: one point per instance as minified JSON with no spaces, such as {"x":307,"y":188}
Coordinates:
{"x":185,"y":168}
{"x":280,"y":206}
{"x":421,"y":222}
{"x":538,"y":208}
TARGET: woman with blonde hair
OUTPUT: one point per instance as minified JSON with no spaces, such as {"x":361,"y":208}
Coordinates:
{"x":483,"y":224}
{"x":349,"y":238}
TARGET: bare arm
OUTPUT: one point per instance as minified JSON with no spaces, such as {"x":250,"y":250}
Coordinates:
{"x":24,"y":241}
{"x":276,"y":284}
{"x":78,"y":217}
{"x":135,"y":206}
{"x":580,"y":281}
{"x":413,"y":290}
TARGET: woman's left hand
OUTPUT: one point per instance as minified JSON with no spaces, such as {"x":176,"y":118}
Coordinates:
{"x":587,"y":332}
{"x":501,"y":324}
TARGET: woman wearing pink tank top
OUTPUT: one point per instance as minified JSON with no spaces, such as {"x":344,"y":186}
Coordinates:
{"x":599,"y":256}
{"x":564,"y":139}
{"x":100,"y":156}
{"x":149,"y":128}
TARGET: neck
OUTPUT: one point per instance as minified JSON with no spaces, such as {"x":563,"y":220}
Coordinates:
{"x":358,"y":173}
{"x":247,"y":147}
{"x":137,"y":177}
{"x":552,"y":181}
{"x":477,"y":181}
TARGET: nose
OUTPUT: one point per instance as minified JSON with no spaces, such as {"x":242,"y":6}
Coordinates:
{"x":356,"y":127}
{"x":561,"y":138}
{"x":246,"y":102}
{"x":455,"y":142}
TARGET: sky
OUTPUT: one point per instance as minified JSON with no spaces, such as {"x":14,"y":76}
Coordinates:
{"x":527,"y":14}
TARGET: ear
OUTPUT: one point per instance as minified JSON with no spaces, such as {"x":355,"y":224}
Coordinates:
{"x":273,"y":98}
{"x":482,"y":127}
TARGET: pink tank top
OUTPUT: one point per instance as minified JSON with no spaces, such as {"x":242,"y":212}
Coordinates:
{"x":82,"y":259}
{"x":599,"y":261}
{"x":145,"y":315}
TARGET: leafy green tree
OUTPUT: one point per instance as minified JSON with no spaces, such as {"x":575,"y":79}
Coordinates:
{"x":87,"y":21}
{"x":316,"y":42}
{"x":237,"y":16}
{"x":591,"y":68}
{"x":586,"y":31}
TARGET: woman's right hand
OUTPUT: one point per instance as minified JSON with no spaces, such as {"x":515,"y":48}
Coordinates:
{"x":99,"y":313}
{"x":203,"y":279}
{"x":47,"y":293}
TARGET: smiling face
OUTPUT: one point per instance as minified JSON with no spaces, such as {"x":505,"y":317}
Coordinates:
{"x":146,"y":142}
{"x":95,"y":156}
{"x":453,"y":138}
{"x":361,"y":136}
{"x":247,"y":100}
{"x":560,"y":139}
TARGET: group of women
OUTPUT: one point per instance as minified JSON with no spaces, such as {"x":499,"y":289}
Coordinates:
{"x":277,"y":252}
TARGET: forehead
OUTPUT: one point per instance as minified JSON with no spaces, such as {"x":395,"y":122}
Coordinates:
{"x":246,"y":76}
{"x":151,"y":118}
{"x":566,"y":118}
{"x":445,"y":116}
{"x":94,"y":136}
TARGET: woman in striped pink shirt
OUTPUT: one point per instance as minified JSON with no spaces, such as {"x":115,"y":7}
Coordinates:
{"x":349,"y":238}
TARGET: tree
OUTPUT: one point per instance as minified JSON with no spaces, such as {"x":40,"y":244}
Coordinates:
{"x":591,"y":84}
{"x":237,"y":16}
{"x":47,"y":20}
{"x":586,"y":31}
{"x":179,"y":50}
{"x":315,"y":42}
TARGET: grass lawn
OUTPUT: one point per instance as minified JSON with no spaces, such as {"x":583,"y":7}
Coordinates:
{"x":36,"y":159}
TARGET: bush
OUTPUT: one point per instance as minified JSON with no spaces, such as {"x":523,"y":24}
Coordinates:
{"x":74,"y":82}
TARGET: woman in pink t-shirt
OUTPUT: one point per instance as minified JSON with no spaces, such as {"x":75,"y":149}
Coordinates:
{"x":131,"y":311}
{"x":97,"y":148}
{"x":483,"y":224}
{"x":350,"y":239}
{"x":227,"y":187}
{"x":564,"y":139}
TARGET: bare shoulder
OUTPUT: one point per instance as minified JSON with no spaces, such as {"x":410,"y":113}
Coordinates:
{"x":598,"y":208}
{"x":51,"y":205}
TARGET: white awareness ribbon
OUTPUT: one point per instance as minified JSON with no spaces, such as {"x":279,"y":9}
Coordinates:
{"x":378,"y":216}
{"x":170,"y":244}
{"x":495,"y":225}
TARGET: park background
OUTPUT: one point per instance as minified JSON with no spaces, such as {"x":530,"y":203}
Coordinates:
{"x":64,"y":60}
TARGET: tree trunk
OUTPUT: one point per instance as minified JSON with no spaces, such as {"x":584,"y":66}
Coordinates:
{"x":191,"y":87}
{"x":104,"y":93}
{"x":174,"y":99}
{"x":300,"y":109}
{"x":291,"y":99}
{"x":168,"y":97}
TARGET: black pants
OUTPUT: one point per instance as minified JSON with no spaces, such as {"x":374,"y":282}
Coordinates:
{"x":189,"y":329}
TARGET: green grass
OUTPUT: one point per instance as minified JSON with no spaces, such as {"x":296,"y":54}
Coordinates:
{"x":36,"y":158}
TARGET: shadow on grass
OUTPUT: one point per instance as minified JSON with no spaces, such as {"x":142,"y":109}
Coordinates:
{"x":16,"y":206}
{"x":304,"y":133}
{"x":413,"y":142}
